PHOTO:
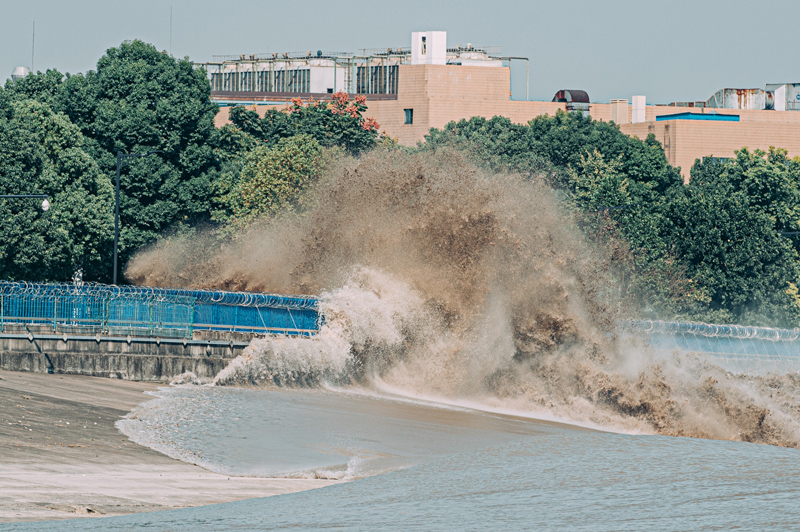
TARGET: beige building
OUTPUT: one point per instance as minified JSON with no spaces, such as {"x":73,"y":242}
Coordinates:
{"x":415,"y":95}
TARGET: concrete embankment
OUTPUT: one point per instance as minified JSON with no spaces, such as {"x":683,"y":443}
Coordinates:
{"x":138,"y":358}
{"x":61,"y":456}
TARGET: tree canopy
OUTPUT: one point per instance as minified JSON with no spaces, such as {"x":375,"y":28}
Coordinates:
{"x":41,"y":152}
{"x":272,"y":179}
{"x":340,"y":122}
{"x":138,"y":100}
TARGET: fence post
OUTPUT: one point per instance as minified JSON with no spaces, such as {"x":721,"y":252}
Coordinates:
{"x":104,"y":313}
{"x":55,"y":312}
{"x":2,"y":312}
{"x":191,"y":317}
{"x":150,"y":314}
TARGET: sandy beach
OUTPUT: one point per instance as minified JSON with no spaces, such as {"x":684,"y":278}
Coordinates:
{"x":61,"y":456}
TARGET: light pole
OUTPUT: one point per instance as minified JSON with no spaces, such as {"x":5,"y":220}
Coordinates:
{"x":45,"y":203}
{"x":121,"y":156}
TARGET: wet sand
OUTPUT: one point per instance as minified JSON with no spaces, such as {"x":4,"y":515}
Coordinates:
{"x":61,"y":456}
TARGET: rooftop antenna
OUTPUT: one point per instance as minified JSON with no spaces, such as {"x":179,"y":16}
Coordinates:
{"x":33,"y":45}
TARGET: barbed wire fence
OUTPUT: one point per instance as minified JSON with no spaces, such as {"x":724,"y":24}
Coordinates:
{"x":738,"y":347}
{"x":151,"y":311}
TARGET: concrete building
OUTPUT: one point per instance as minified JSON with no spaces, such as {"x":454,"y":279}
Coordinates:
{"x":410,"y":90}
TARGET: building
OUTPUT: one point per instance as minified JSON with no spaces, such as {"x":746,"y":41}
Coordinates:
{"x":428,"y":84}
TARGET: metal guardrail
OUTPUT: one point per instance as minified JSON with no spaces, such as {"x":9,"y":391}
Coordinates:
{"x":149,"y":311}
{"x":715,"y":330}
{"x":727,"y":341}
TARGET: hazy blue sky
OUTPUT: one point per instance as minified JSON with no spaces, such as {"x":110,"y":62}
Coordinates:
{"x":668,"y":50}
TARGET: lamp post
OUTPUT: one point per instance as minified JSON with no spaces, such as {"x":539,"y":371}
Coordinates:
{"x":121,"y":156}
{"x":45,"y":203}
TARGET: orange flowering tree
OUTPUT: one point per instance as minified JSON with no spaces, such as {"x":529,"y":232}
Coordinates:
{"x":339,"y":122}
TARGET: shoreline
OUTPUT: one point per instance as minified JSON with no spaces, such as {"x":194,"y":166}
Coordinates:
{"x":61,"y":456}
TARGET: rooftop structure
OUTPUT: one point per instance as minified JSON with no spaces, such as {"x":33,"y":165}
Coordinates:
{"x":371,"y":71}
{"x":428,"y":84}
{"x":775,"y":96}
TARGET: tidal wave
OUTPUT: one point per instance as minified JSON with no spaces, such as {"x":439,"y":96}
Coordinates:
{"x":441,"y":280}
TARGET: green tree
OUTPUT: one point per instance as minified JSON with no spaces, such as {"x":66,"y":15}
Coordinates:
{"x":565,"y":137}
{"x":41,"y":152}
{"x":495,"y":143}
{"x":41,"y":86}
{"x":734,"y":255}
{"x":272,"y":179}
{"x":340,"y":122}
{"x":140,"y":99}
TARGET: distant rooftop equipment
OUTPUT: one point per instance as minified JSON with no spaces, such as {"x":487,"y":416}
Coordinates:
{"x":754,"y":99}
{"x":19,"y":73}
{"x":429,"y":48}
{"x":786,"y":96}
{"x":639,"y":109}
{"x":619,"y":111}
{"x":576,"y":100}
{"x":688,"y":104}
{"x":699,"y":116}
{"x":372,"y":71}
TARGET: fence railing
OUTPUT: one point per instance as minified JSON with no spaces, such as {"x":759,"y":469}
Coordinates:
{"x":147,"y":311}
{"x":727,"y":341}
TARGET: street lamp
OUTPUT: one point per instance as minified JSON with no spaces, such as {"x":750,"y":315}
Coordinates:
{"x":121,"y":156}
{"x":45,"y":203}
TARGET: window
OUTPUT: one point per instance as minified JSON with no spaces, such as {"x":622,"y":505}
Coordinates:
{"x":409,"y":115}
{"x":424,"y":46}
{"x":716,"y":160}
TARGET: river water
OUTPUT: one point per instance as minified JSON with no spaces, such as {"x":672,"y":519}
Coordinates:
{"x":412,"y":464}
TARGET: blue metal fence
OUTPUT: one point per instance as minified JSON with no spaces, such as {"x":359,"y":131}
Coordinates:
{"x":153,"y":311}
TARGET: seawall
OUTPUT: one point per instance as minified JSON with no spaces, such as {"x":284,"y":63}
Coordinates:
{"x":137,"y":358}
{"x":139,"y":333}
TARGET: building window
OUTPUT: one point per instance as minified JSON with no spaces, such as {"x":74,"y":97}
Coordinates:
{"x":409,"y":116}
{"x":716,"y":160}
{"x":424,"y":46}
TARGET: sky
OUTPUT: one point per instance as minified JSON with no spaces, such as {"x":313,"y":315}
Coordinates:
{"x":678,"y":50}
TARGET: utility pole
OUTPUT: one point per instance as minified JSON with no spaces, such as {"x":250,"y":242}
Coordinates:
{"x":121,"y":156}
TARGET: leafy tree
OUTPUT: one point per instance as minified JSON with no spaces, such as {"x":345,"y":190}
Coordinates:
{"x":231,"y":146}
{"x":138,"y":100}
{"x":336,"y":123}
{"x":496,"y":143}
{"x":41,"y":152}
{"x":770,"y":180}
{"x":598,"y":184}
{"x":41,"y":86}
{"x":733,"y":253}
{"x":565,"y":137}
{"x":272,"y":179}
{"x":552,"y":144}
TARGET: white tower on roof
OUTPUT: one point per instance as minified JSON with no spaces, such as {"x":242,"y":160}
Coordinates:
{"x":429,"y":48}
